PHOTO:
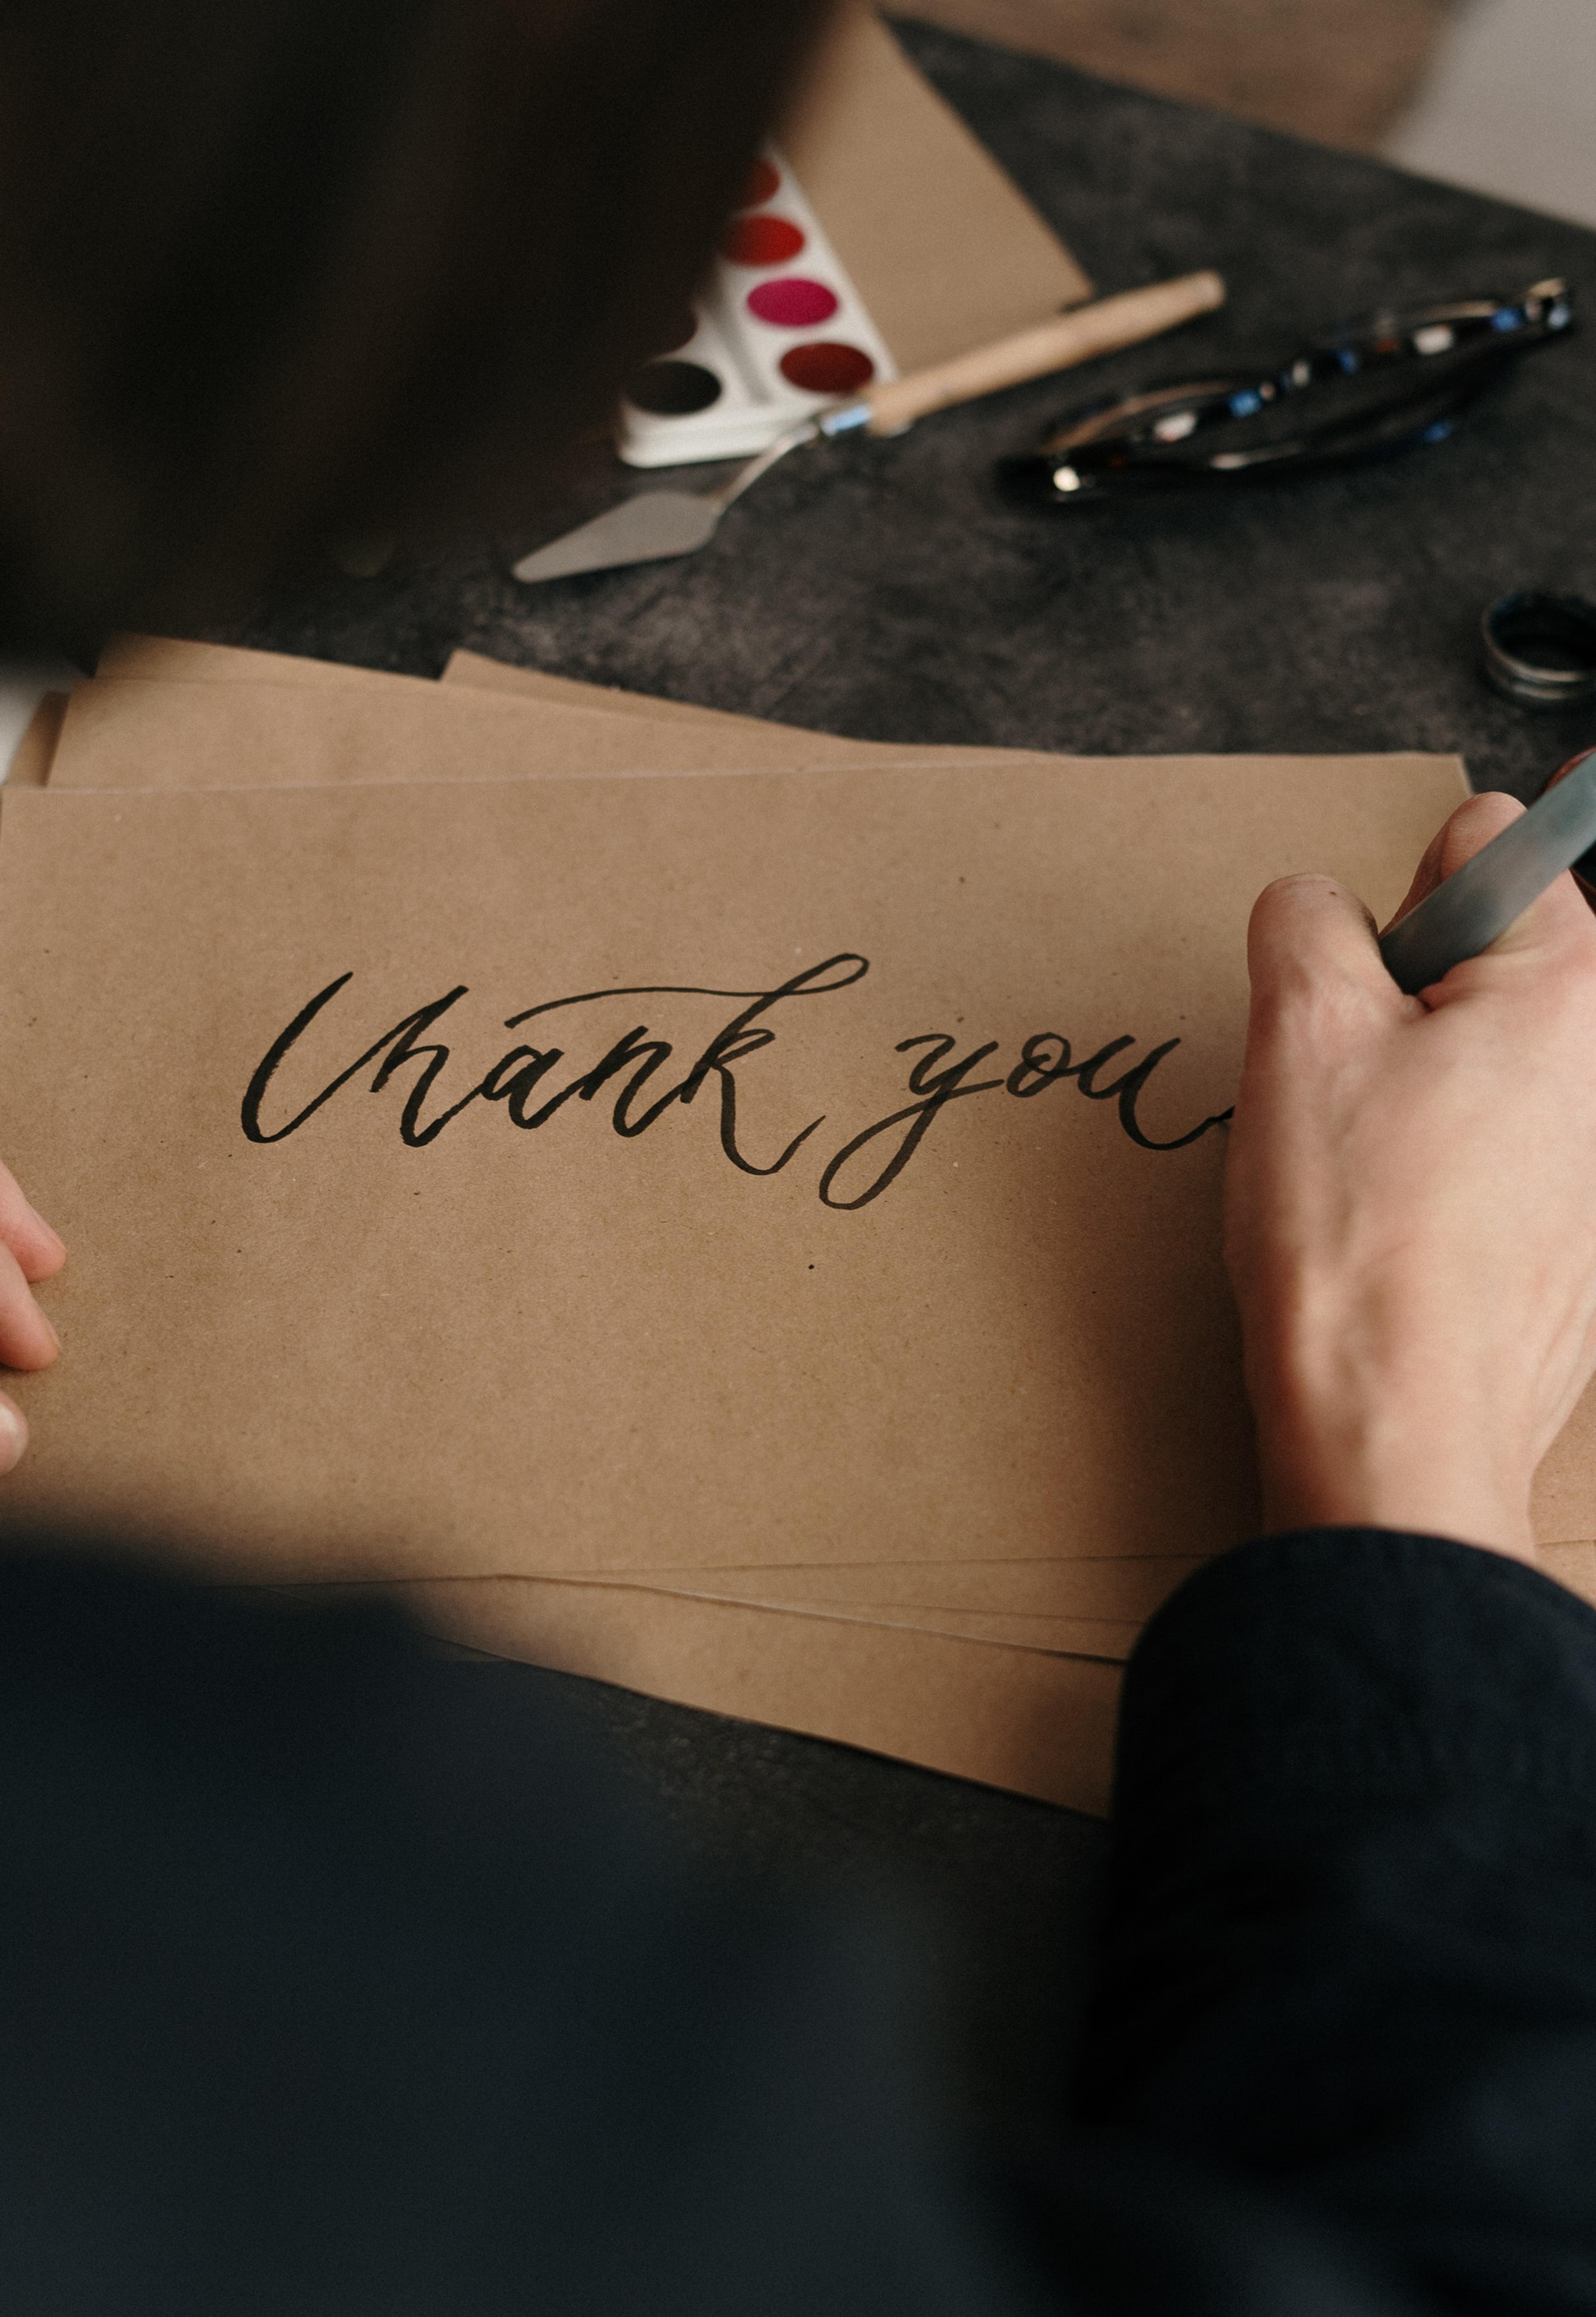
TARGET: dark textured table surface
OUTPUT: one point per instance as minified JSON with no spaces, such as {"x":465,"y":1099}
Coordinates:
{"x":885,"y":591}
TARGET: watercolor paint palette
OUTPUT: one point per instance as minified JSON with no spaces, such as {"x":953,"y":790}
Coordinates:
{"x":778,"y":333}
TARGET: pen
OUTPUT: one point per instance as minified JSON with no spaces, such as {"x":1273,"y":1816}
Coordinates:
{"x":1467,"y":912}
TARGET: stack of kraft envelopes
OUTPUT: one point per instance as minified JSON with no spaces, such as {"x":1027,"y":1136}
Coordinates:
{"x":727,"y":1209}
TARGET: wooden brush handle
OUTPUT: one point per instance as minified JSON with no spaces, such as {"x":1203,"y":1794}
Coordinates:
{"x":1073,"y":337}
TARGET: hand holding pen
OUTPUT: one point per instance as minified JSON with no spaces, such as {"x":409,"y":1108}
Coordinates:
{"x":1411,"y":1192}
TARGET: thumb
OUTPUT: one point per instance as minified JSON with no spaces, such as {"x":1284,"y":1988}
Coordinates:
{"x":1310,"y":943}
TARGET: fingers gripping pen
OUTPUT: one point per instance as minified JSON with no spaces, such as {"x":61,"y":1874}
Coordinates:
{"x":1478,"y":904}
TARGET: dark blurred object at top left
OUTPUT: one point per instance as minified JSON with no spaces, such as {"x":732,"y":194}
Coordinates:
{"x":275,"y":273}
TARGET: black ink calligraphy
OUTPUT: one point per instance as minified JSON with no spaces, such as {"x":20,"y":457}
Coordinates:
{"x":866,"y":1165}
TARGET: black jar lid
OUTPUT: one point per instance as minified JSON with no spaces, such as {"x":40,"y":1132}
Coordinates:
{"x":1539,"y":648}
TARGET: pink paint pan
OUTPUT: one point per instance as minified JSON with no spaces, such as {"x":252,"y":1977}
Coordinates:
{"x":792,"y":303}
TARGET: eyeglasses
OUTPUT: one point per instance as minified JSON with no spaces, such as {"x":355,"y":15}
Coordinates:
{"x":1364,"y":390}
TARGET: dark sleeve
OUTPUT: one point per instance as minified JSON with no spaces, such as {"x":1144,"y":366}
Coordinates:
{"x":1348,"y":1950}
{"x":335,"y":1981}
{"x":338,"y":1981}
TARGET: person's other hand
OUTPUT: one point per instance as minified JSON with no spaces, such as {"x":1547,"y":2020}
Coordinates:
{"x":1411,"y":1208}
{"x":29,"y":1251}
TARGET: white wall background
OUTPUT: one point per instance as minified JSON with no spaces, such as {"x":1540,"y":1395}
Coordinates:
{"x":1509,"y":108}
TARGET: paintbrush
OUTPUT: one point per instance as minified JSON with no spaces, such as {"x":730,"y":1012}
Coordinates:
{"x":657,"y":524}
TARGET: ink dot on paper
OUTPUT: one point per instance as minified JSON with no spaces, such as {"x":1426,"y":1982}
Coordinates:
{"x":762,"y":182}
{"x":792,"y":303}
{"x":761,"y":240}
{"x":673,"y":389}
{"x":826,"y":366}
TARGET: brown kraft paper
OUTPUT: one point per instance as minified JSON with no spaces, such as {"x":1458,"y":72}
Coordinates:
{"x":969,"y":1315}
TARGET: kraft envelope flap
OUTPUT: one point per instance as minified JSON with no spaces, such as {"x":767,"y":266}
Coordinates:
{"x":481,"y":674}
{"x":161,"y":659}
{"x":1002,"y":1332}
{"x":941,"y":246}
{"x":166,"y":734}
{"x":167,"y":660}
{"x":164,"y":659}
{"x":1108,"y":1640}
{"x":1116,"y":1588}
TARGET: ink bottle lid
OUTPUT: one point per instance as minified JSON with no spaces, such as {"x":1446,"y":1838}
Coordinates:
{"x":1539,"y":649}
